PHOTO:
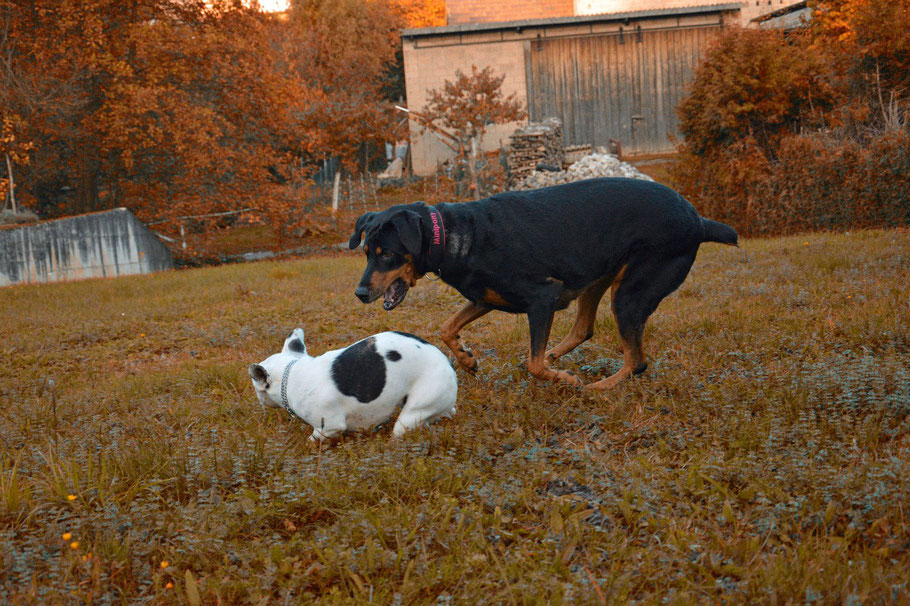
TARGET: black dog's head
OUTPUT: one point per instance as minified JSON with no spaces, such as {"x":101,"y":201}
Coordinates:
{"x":392,"y":240}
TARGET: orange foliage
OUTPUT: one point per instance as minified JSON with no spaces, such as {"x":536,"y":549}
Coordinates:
{"x":806,"y":131}
{"x":189,"y":107}
{"x":421,"y":13}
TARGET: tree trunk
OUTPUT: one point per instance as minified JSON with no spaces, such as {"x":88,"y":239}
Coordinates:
{"x":87,"y":187}
{"x":12,"y":185}
{"x":472,"y":168}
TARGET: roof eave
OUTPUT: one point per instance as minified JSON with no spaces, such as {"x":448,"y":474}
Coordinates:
{"x":600,"y":18}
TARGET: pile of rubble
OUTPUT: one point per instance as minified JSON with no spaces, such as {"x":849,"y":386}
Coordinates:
{"x":589,"y":167}
{"x":536,"y":143}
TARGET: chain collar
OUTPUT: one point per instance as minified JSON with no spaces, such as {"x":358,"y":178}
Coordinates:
{"x":284,"y":387}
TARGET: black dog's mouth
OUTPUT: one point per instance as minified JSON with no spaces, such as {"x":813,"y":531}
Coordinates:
{"x":395,"y":294}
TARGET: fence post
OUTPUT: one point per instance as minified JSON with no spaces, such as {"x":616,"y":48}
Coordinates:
{"x":335,"y":192}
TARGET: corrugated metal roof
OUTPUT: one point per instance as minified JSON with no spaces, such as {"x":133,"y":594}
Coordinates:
{"x":780,"y":12}
{"x":604,"y":17}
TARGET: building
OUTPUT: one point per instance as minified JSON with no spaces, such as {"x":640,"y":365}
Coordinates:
{"x":606,"y":75}
{"x":459,"y":12}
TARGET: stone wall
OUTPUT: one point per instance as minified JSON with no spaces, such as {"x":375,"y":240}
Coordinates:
{"x":105,"y":244}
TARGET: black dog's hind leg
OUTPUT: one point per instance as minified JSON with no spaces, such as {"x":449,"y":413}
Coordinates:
{"x":453,"y":326}
{"x":636,"y":293}
{"x":540,"y":320}
{"x":585,"y":316}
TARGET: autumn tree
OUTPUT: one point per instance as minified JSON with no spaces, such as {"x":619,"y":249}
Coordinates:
{"x":807,"y":130}
{"x":14,"y":150}
{"x":464,"y":109}
{"x":168,"y":106}
{"x":420,"y":13}
{"x":191,"y":107}
{"x":869,"y":41}
{"x":342,"y":48}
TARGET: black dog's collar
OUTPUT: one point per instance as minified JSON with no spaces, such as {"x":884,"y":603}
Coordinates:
{"x":437,"y":240}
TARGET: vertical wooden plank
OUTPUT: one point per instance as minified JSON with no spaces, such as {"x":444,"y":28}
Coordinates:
{"x":595,"y":85}
{"x":530,"y":84}
{"x":659,"y":131}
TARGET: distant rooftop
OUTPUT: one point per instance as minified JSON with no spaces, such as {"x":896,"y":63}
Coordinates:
{"x":578,"y":19}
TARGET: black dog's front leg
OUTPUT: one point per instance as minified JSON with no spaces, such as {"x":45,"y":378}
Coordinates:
{"x":453,"y":326}
{"x":540,"y":320}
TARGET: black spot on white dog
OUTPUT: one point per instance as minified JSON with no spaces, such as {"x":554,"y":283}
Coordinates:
{"x":359,"y":371}
{"x":393,"y":355}
{"x":296,"y":345}
{"x":409,"y":335}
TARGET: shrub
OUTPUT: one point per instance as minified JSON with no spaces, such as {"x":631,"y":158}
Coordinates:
{"x":779,"y":138}
{"x":8,"y":217}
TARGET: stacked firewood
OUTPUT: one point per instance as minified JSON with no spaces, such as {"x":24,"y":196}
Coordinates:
{"x":574,"y":153}
{"x":535,"y":144}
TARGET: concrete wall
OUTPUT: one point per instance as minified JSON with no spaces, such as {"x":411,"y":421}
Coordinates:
{"x":429,"y":63}
{"x":105,"y":244}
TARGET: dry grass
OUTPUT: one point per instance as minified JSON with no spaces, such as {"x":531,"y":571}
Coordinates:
{"x":763,"y":458}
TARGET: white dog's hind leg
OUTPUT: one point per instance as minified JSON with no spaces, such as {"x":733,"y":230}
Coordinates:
{"x":406,"y":423}
{"x":423,"y":407}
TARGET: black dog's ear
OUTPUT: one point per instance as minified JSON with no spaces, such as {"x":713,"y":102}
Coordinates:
{"x":410,"y":230}
{"x":362,"y":222}
{"x":260,"y":376}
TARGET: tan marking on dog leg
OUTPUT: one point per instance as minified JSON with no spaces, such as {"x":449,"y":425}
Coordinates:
{"x":538,"y":366}
{"x":450,"y":329}
{"x":540,"y":325}
{"x":632,"y":351}
{"x":633,"y":362}
{"x":585,"y":316}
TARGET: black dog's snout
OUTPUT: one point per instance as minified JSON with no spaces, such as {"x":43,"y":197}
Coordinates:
{"x":363,"y":293}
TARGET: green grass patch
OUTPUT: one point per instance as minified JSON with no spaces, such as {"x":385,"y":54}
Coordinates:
{"x":763,"y":457}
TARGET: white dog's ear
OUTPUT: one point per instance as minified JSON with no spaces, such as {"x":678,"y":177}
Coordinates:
{"x":260,"y":376}
{"x":294,"y":343}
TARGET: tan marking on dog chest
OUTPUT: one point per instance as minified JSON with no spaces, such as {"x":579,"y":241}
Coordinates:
{"x":491,"y":297}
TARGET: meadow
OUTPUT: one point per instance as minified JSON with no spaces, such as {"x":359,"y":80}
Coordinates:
{"x":763,"y":458}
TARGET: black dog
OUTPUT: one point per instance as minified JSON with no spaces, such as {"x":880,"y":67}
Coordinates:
{"x":534,"y":252}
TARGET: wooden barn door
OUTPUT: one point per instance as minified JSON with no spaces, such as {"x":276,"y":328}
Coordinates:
{"x":622,"y":86}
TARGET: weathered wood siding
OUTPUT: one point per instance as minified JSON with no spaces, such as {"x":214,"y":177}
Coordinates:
{"x":624,"y":86}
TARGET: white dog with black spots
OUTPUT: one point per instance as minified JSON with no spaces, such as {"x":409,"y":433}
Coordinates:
{"x":359,"y":386}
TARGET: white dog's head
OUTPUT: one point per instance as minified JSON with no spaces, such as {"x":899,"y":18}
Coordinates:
{"x":267,"y":388}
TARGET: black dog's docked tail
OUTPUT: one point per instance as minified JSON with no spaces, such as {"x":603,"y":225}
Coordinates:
{"x":719,"y":232}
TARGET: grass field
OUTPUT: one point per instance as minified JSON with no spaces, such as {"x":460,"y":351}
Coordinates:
{"x":763,"y":458}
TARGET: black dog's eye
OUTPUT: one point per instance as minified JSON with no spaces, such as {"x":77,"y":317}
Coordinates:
{"x":387,"y":255}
